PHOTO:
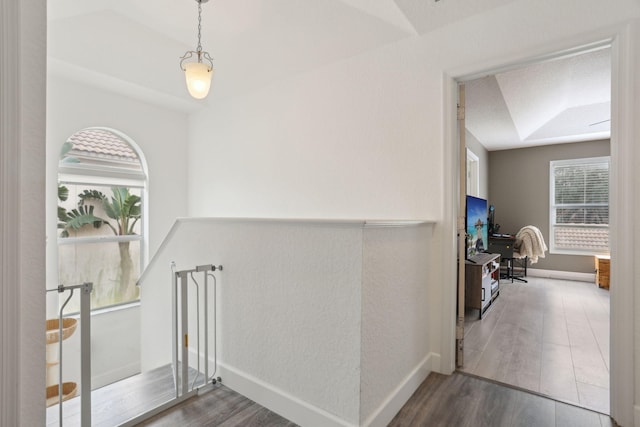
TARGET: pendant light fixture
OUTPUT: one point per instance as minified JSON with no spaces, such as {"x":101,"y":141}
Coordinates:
{"x":198,"y":73}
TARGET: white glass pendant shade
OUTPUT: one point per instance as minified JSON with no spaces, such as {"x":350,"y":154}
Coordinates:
{"x":198,"y":77}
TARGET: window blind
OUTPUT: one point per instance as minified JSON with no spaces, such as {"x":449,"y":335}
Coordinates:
{"x":580,"y":205}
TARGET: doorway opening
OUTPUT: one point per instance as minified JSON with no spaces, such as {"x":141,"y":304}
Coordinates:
{"x":549,"y":331}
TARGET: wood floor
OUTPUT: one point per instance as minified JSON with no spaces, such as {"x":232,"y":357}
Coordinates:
{"x":220,"y":407}
{"x":441,"y":401}
{"x":547,"y":336}
{"x":454,"y":400}
{"x":461,"y":400}
{"x":116,"y":403}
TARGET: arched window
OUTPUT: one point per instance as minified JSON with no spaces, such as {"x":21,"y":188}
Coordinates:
{"x":101,"y":215}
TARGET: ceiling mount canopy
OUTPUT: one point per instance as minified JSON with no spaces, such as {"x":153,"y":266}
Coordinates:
{"x":198,"y":73}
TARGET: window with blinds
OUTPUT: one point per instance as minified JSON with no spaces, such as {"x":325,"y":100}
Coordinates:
{"x":579,"y":206}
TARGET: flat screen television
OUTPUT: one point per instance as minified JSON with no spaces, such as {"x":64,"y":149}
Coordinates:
{"x":476,"y":226}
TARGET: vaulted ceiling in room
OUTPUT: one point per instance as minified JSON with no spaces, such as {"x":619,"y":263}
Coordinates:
{"x":561,"y":100}
{"x":132,"y":47}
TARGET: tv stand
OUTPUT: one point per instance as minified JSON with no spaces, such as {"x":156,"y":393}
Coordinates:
{"x":482,"y":281}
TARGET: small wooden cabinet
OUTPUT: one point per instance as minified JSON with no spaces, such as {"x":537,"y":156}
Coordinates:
{"x":482,"y":281}
{"x":603,"y":265}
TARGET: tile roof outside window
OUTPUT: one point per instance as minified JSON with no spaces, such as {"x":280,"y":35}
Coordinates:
{"x":582,"y":238}
{"x":100,"y":143}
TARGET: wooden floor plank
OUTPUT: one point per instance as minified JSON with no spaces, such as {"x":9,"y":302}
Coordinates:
{"x":441,"y":400}
{"x":256,"y":416}
{"x":463,"y":400}
{"x":514,"y":335}
{"x":213,"y":408}
{"x":497,"y":406}
{"x":533,"y":411}
{"x":121,"y":401}
{"x":423,"y":403}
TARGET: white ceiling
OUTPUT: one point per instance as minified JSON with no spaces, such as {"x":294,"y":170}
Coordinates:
{"x":133,"y":47}
{"x":563,"y":100}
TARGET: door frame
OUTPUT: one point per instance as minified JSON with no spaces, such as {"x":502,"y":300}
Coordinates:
{"x":622,"y":203}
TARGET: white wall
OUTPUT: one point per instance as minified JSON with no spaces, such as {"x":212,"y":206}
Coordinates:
{"x":625,"y":273}
{"x":635,"y":136}
{"x":351,"y":140}
{"x":162,"y":136}
{"x":115,"y":348}
{"x":289,"y":299}
{"x":519,"y":30}
{"x":365,"y":137}
{"x":396,"y":350}
{"x":22,"y":267}
{"x":323,"y":322}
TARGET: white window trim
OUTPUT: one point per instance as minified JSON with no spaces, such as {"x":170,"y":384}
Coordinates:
{"x":98,"y":239}
{"x":98,"y":172}
{"x":552,"y":224}
{"x":105,"y":176}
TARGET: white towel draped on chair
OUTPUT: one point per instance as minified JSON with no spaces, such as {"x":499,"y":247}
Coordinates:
{"x":529,"y":243}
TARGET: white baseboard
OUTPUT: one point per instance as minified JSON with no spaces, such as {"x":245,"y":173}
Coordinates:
{"x":435,"y":362}
{"x":278,"y":401}
{"x":636,"y":415}
{"x":305,"y":414}
{"x":561,"y":275}
{"x":401,"y":394}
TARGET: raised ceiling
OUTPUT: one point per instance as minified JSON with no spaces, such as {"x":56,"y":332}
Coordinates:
{"x":132,"y":47}
{"x":563,"y":100}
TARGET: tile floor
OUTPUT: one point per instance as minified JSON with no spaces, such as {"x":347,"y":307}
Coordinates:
{"x":462,"y":400}
{"x":548,"y":336}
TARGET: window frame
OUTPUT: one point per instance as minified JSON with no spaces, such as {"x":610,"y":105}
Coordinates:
{"x":82,"y":180}
{"x":99,"y":175}
{"x":553,"y":249}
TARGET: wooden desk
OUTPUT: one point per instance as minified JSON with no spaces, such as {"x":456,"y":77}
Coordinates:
{"x":504,"y":245}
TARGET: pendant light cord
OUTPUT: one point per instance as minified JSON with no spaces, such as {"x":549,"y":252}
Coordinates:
{"x":199,"y":49}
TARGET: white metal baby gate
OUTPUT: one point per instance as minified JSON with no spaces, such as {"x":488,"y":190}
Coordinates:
{"x":184,"y":386}
{"x":180,"y":337}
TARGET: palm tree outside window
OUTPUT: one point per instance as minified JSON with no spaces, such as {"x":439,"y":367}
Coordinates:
{"x":101,"y":207}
